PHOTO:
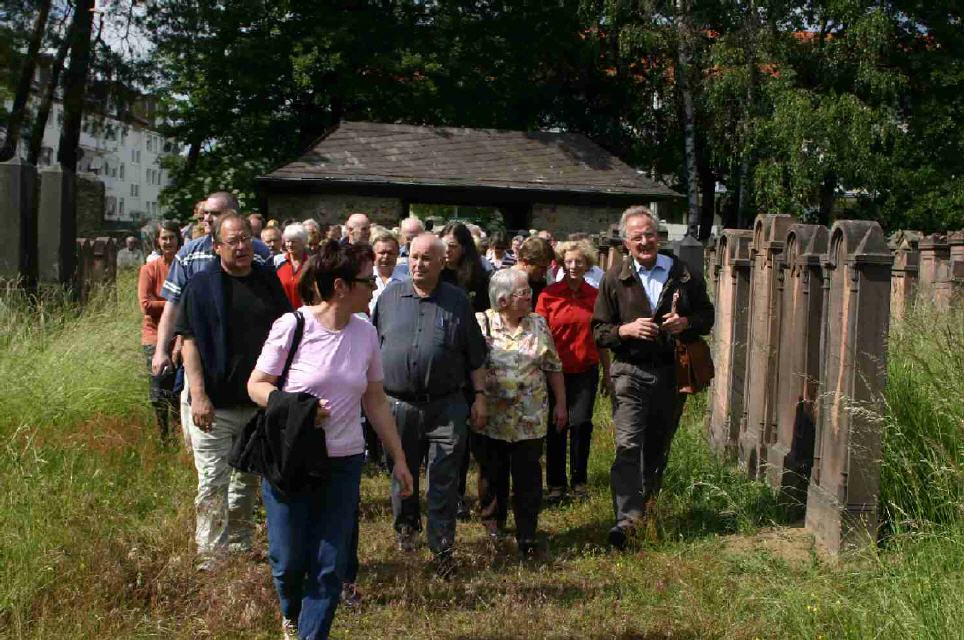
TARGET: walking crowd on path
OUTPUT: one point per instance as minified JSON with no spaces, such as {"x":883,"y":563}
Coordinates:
{"x":303,"y":352}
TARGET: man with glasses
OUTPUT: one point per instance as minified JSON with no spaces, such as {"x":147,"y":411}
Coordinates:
{"x":225,"y":314}
{"x":432,"y":352}
{"x":193,"y":257}
{"x":644,"y":306}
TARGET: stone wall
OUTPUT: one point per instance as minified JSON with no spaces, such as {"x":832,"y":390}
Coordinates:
{"x":91,"y":202}
{"x":330,"y":209}
{"x":565,"y":219}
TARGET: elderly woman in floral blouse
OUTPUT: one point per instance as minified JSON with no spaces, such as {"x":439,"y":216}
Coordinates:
{"x":522,"y":359}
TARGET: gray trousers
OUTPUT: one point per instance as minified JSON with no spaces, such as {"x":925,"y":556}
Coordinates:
{"x":644,"y":419}
{"x":438,"y":429}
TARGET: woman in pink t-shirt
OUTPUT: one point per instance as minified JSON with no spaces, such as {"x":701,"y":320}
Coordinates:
{"x":311,"y":531}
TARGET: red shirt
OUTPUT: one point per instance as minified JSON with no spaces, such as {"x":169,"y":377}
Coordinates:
{"x":149,"y":282}
{"x":289,"y":280}
{"x":569,"y":313}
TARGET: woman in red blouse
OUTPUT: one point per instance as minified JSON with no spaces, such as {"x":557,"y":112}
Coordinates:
{"x":149,"y":282}
{"x":567,"y":306}
{"x":295,"y":256}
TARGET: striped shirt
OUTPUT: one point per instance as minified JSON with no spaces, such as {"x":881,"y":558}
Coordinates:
{"x":195,"y":256}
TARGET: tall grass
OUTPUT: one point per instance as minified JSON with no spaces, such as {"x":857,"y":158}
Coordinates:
{"x":97,"y":518}
{"x":922,"y":476}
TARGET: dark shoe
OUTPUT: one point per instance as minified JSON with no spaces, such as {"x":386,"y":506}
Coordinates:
{"x":619,"y":536}
{"x":405,"y":538}
{"x":528,"y":549}
{"x":444,"y":564}
{"x":580,"y":491}
{"x":462,"y":511}
{"x":351,"y":596}
{"x":554,"y":495}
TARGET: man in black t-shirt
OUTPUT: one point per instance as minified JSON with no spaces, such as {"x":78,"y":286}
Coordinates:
{"x":225,"y":315}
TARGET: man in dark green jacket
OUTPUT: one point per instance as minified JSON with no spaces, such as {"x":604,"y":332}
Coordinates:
{"x":645,"y":305}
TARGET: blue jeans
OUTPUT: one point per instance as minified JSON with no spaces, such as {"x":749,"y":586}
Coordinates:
{"x":309,"y":535}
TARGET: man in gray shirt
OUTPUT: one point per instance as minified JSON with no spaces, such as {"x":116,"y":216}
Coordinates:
{"x":432,"y":349}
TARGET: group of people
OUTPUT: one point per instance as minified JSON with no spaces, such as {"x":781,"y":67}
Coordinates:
{"x":428,"y":346}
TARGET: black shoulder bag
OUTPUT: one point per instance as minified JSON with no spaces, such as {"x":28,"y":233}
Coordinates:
{"x":248,"y":452}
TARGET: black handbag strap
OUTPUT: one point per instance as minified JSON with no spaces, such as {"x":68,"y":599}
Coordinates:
{"x":295,"y":343}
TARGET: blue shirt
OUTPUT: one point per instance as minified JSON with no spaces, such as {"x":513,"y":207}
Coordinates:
{"x":194,"y":257}
{"x":654,"y":279}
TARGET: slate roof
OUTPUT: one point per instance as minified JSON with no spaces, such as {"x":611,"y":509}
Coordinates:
{"x":360,"y":153}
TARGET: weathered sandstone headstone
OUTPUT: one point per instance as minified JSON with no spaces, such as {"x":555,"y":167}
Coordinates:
{"x":18,"y":259}
{"x":56,"y":240}
{"x":730,"y":340}
{"x":903,"y":275}
{"x":766,"y":254}
{"x":790,"y":446}
{"x":934,"y":273}
{"x":844,"y":486}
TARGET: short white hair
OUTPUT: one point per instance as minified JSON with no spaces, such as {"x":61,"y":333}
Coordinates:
{"x":310,"y":222}
{"x":412,"y":224}
{"x":295,"y":231}
{"x":635,"y":212}
{"x":503,"y":282}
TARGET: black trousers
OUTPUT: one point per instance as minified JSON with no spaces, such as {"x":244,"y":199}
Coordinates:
{"x":518,"y":462}
{"x":581,"y":391}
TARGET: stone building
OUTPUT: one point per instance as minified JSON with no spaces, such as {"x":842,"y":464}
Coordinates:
{"x":560,"y":181}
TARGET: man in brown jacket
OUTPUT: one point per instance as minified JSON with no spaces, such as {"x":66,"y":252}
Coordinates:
{"x":636,"y":319}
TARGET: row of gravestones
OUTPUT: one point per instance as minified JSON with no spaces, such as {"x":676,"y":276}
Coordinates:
{"x":802,"y":318}
{"x":38,"y":213}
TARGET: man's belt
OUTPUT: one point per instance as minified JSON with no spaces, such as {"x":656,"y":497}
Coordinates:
{"x":421,"y":397}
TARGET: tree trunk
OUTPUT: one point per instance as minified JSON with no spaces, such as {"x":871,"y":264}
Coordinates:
{"x":75,"y":84}
{"x":40,"y":122}
{"x":19,"y":112}
{"x":745,"y":205}
{"x":683,"y":81}
{"x":707,"y":191}
{"x":828,"y":191}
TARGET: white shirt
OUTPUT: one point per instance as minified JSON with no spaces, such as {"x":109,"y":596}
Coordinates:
{"x":399,"y":274}
{"x":654,"y":279}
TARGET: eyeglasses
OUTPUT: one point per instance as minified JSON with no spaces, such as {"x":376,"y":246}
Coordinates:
{"x":526,"y":293}
{"x":371,"y":281}
{"x":237,"y":240}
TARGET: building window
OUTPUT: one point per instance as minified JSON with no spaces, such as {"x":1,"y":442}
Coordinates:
{"x":120,"y":208}
{"x":122,"y":171}
{"x":135,"y":190}
{"x":46,"y":153}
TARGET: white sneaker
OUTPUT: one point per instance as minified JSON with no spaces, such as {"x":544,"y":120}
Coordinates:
{"x":289,"y":629}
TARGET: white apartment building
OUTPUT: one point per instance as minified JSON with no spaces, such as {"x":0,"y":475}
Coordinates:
{"x":124,"y":153}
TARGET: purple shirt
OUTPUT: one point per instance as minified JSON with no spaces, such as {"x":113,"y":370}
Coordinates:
{"x":332,"y":365}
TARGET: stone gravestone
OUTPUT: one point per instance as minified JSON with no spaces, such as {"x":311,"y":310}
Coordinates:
{"x":844,"y":485}
{"x":903,"y":276}
{"x":956,"y":242}
{"x":690,"y":251}
{"x":711,"y":267}
{"x":85,"y":267}
{"x":730,"y":340}
{"x":91,"y":203}
{"x":103,"y":271}
{"x":56,"y":241}
{"x":790,"y":449}
{"x":934,"y":272}
{"x":17,"y":197}
{"x":769,"y":233}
